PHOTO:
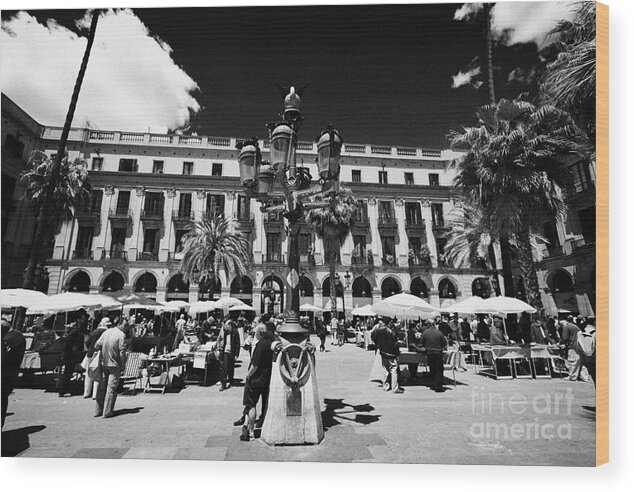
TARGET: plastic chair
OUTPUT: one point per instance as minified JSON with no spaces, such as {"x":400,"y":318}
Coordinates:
{"x":452,"y":363}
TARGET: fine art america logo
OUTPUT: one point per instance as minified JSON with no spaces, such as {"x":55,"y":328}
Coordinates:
{"x":518,"y":417}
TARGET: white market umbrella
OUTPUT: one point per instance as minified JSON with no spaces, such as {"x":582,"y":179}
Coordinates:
{"x":107,"y":302}
{"x":242,"y":307}
{"x":68,"y":301}
{"x":328,"y":306}
{"x":310,"y":308}
{"x":504,"y":305}
{"x":404,"y":306}
{"x":173,"y":306}
{"x":227,"y":302}
{"x":364,"y":311}
{"x":203,"y":307}
{"x":15,"y":298}
{"x":468,"y":306}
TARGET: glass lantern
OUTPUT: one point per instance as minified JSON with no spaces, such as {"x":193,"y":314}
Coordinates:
{"x":266,"y":180}
{"x":250,"y":160}
{"x":329,"y":153}
{"x":280,"y":144}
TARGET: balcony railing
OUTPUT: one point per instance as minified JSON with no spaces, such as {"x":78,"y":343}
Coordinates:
{"x":152,"y":214}
{"x":385,"y":219}
{"x":82,"y":254}
{"x":273,"y":217}
{"x":212,"y":214}
{"x":146,"y":256}
{"x":414,"y":222}
{"x":359,"y":260}
{"x":114,"y":254}
{"x":419,"y":261}
{"x":120,"y":214}
{"x":175,"y":255}
{"x":274,"y":258}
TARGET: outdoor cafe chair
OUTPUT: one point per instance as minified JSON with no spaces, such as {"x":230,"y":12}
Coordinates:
{"x":132,"y":370}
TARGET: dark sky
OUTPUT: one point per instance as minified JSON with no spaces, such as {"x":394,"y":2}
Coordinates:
{"x":381,"y":74}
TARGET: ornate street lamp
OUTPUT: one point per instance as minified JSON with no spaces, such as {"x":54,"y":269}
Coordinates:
{"x":294,"y":415}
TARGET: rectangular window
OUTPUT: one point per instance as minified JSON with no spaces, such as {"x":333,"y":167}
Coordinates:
{"x":150,"y":242}
{"x":361,"y":211}
{"x":216,"y":169}
{"x":304,"y":244}
{"x":96,"y":198}
{"x":413,"y":214}
{"x":440,"y":249}
{"x":273,"y":247}
{"x":386,"y":212}
{"x":437,"y":215}
{"x":434,"y":179}
{"x":387,"y":243}
{"x":588,"y":220}
{"x":118,"y":240}
{"x":157,"y":167}
{"x":215,"y":205}
{"x":83,"y":247}
{"x":356,"y":175}
{"x":154,"y":204}
{"x":383,"y":177}
{"x":123,"y":202}
{"x":188,"y":168}
{"x":13,"y":146}
{"x":581,"y":176}
{"x":409,"y":178}
{"x":359,"y":251}
{"x":414,"y":245}
{"x":185,"y":205}
{"x":244,"y":208}
{"x":97,"y":163}
{"x":128,"y":166}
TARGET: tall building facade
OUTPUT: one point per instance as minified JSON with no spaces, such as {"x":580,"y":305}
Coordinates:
{"x":150,"y":188}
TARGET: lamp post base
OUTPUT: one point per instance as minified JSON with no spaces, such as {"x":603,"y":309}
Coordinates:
{"x":294,"y":413}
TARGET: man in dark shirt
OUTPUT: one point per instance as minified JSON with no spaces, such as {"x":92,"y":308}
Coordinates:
{"x":444,"y":327}
{"x":385,"y":341}
{"x":228,"y":346}
{"x":13,"y":347}
{"x":258,"y":381}
{"x":525,"y":328}
{"x":538,"y":333}
{"x":433,"y":343}
{"x":483,"y":333}
{"x":72,"y":354}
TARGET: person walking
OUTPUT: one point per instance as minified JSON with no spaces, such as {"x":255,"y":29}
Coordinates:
{"x":13,"y":348}
{"x":384,"y":338}
{"x":181,"y":324}
{"x":257,"y":382}
{"x":228,"y":346}
{"x":569,"y":335}
{"x":72,"y":354}
{"x":433,"y":343}
{"x":334,"y":330}
{"x":111,"y":344}
{"x":321,"y":331}
{"x":90,"y":385}
{"x":586,"y":348}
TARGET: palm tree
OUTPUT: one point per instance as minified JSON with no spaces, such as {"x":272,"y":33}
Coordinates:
{"x":469,"y":236}
{"x":48,"y":203}
{"x":489,"y":51}
{"x":514,"y":167}
{"x":569,"y":81}
{"x":332,"y":225}
{"x":211,"y":246}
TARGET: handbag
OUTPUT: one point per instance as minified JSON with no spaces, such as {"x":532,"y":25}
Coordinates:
{"x":94,"y":368}
{"x":85,"y":363}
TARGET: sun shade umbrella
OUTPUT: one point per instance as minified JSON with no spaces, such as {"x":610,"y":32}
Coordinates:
{"x":227,"y":302}
{"x":310,"y":308}
{"x":468,"y":306}
{"x":242,"y":307}
{"x":203,"y":307}
{"x":132,"y":299}
{"x":404,"y":306}
{"x":364,"y":311}
{"x":15,"y":298}
{"x":504,"y":305}
{"x":173,"y":306}
{"x":66,"y":302}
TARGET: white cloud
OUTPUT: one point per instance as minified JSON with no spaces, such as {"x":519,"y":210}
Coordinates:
{"x":466,"y":78}
{"x":467,"y":11}
{"x":131,"y":82}
{"x":527,"y":22}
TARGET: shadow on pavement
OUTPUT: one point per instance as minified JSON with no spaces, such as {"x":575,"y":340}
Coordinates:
{"x":337,"y":410}
{"x":126,"y":411}
{"x":16,"y":441}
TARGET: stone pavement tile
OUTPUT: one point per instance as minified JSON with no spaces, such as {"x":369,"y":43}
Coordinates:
{"x":101,"y":453}
{"x":221,"y":440}
{"x":207,"y":454}
{"x":49,"y":453}
{"x":151,"y":453}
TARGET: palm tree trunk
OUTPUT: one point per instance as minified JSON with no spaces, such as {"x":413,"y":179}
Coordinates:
{"x":489,"y":52}
{"x":507,"y":265}
{"x":529,"y":272}
{"x":47,"y":204}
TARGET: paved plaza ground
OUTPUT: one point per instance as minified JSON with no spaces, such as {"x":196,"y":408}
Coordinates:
{"x":480,"y":421}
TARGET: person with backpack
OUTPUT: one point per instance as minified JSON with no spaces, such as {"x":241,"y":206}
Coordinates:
{"x":586,"y":348}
